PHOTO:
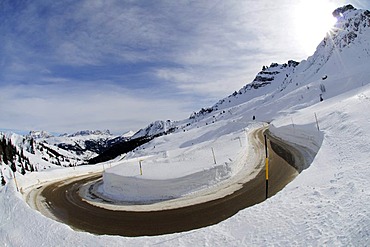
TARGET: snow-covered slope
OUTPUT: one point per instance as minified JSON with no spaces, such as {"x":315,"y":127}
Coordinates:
{"x":155,"y":129}
{"x":340,"y":63}
{"x":41,"y":150}
{"x":327,"y":204}
{"x":30,"y":154}
{"x":86,"y":144}
{"x":342,"y":55}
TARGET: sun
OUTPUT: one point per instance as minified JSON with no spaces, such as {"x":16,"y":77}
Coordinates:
{"x":312,"y":20}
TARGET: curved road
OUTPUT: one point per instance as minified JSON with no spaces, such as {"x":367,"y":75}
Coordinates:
{"x":64,"y":202}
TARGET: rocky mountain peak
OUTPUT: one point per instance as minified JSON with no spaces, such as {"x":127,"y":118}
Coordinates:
{"x":39,"y":134}
{"x":339,"y":11}
{"x":90,"y":132}
{"x":350,"y":30}
{"x":268,"y":74}
{"x":156,"y":128}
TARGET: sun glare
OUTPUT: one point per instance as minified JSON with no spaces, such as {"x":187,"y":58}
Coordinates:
{"x":313,"y":19}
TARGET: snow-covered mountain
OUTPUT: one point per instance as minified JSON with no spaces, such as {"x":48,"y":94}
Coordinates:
{"x":41,"y":150}
{"x":91,"y":133}
{"x":273,"y":77}
{"x":343,"y":53}
{"x":156,"y":128}
{"x":328,"y":203}
{"x":346,"y":45}
{"x":25,"y":153}
{"x":39,"y":134}
{"x":86,"y":144}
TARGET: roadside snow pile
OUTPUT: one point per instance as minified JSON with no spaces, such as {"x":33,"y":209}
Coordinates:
{"x":189,"y":164}
{"x":308,"y":136}
{"x":134,"y":188}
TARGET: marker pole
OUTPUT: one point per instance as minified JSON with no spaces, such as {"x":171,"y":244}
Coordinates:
{"x":267,"y":167}
{"x":141,"y":170}
{"x":317,"y":122}
{"x":15,"y":181}
{"x":214,"y":157}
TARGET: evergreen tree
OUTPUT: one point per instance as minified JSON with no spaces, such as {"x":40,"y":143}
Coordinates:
{"x":22,"y":170}
{"x":9,"y":153}
{"x":2,"y":146}
{"x":19,"y":158}
{"x":32,"y":149}
{"x":13,"y":167}
{"x":27,"y":164}
{"x":3,"y":182}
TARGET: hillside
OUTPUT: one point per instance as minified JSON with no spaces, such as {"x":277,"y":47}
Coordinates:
{"x":319,"y":103}
{"x":339,"y":64}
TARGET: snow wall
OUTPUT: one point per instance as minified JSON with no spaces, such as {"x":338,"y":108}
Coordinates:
{"x":134,"y":188}
{"x":306,"y":139}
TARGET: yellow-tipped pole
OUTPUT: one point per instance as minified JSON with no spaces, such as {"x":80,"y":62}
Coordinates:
{"x":267,"y":168}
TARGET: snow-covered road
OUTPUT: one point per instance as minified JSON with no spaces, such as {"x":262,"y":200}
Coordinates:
{"x":71,"y":201}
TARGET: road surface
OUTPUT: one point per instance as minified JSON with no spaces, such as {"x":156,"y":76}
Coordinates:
{"x":63,"y":202}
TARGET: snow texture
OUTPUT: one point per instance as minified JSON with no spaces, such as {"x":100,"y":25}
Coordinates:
{"x":171,"y":173}
{"x":327,"y":204}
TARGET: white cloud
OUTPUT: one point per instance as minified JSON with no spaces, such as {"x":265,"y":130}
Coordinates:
{"x":81,"y":107}
{"x":228,"y":44}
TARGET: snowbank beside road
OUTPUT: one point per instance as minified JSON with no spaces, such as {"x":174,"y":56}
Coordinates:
{"x":303,"y":135}
{"x":176,"y":172}
{"x":305,"y":140}
{"x":126,"y":188}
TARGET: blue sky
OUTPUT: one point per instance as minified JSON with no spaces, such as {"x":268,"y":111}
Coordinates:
{"x":70,"y":65}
